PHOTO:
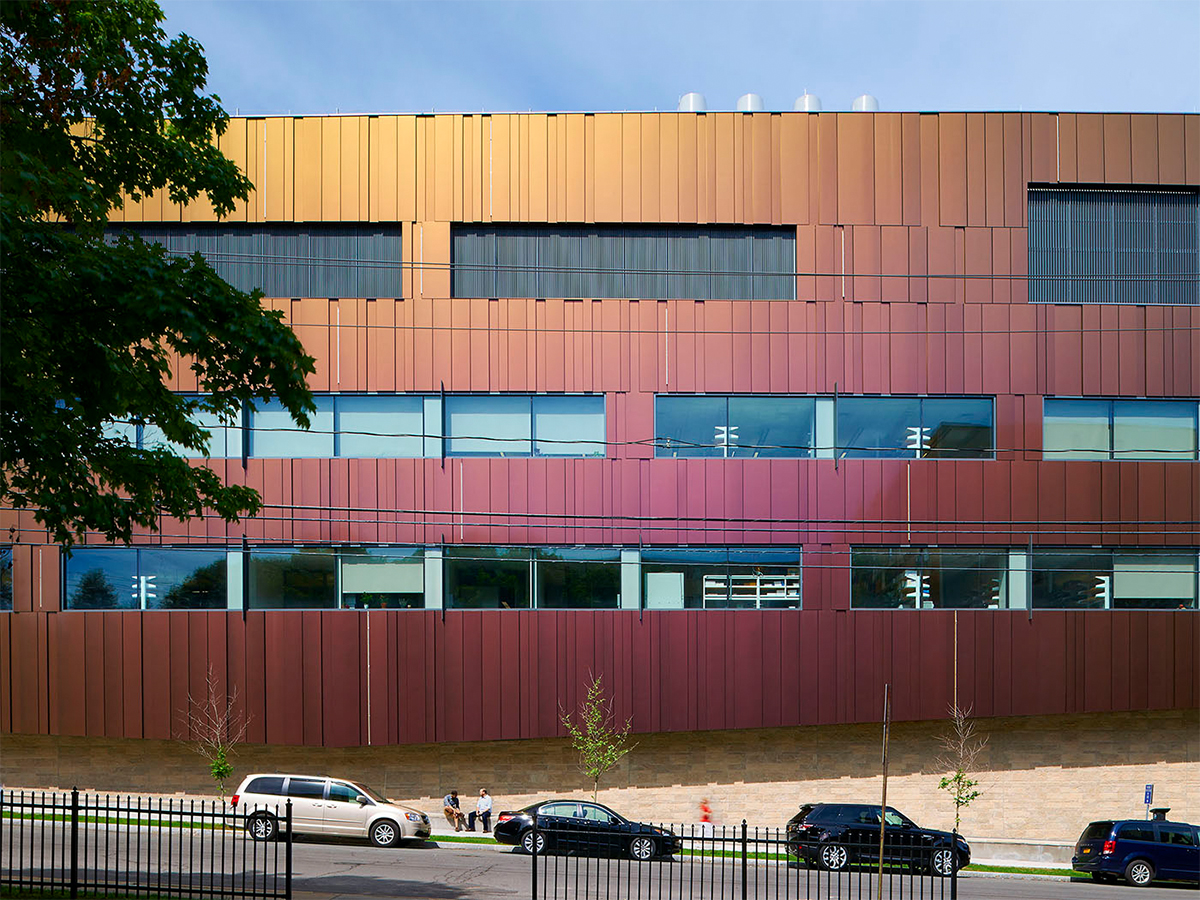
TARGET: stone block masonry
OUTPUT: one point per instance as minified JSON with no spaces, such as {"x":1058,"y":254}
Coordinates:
{"x":1043,"y":778}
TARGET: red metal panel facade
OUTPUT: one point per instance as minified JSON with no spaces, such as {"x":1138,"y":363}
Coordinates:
{"x":911,"y":250}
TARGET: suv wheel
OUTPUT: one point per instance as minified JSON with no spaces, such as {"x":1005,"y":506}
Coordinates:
{"x":943,"y":862}
{"x":834,"y":857}
{"x":1139,"y":873}
{"x":262,"y":827}
{"x":384,"y":833}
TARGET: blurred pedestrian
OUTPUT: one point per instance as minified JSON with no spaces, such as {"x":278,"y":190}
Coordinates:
{"x":454,"y":813}
{"x":483,"y":810}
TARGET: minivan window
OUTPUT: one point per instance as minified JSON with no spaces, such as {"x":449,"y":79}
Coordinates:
{"x":306,"y":787}
{"x":1097,"y":831}
{"x":1135,"y":832}
{"x":343,"y":793}
{"x":1177,"y":834}
{"x":273,"y":785}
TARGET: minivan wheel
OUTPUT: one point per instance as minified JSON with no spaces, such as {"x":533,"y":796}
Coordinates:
{"x":642,"y":848}
{"x":262,"y":827}
{"x":1139,"y":873}
{"x":527,"y":842}
{"x":943,"y":862}
{"x":385,"y":834}
{"x":834,"y":857}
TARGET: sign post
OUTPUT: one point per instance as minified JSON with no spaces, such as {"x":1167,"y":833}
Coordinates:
{"x":1149,"y":799}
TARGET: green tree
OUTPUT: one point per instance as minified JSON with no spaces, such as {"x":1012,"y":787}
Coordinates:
{"x":94,"y":591}
{"x":961,"y":746}
{"x":96,"y":105}
{"x":600,"y":742}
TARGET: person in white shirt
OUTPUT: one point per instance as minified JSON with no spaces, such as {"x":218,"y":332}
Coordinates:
{"x":483,"y":810}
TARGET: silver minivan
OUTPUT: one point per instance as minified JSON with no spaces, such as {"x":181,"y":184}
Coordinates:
{"x":329,"y":806}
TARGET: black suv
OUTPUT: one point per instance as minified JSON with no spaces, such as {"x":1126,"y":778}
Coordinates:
{"x":1140,"y":851}
{"x":837,"y":835}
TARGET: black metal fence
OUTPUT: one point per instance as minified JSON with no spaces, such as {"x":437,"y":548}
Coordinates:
{"x":93,"y":844}
{"x":733,"y":863}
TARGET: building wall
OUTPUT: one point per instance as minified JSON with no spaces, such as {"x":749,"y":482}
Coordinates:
{"x":895,"y":214}
{"x":1042,"y":778}
{"x":341,"y":678}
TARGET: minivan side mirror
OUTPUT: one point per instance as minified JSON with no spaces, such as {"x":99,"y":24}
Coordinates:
{"x":362,"y":801}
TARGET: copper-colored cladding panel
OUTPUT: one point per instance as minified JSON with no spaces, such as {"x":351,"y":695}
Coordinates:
{"x":957,"y":183}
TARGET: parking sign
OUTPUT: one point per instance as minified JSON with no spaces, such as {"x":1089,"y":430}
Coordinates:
{"x":1149,"y":794}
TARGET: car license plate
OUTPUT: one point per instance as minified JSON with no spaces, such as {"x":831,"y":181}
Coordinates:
{"x":1087,"y":850}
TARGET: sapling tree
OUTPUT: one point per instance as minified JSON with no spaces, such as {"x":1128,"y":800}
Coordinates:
{"x":595,"y":734}
{"x":961,"y":746}
{"x":216,"y":725}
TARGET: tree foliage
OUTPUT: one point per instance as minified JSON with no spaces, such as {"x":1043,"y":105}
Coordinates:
{"x":961,"y":746}
{"x":595,"y":735}
{"x":98,"y":105}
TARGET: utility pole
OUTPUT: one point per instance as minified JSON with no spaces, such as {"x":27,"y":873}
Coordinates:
{"x":887,"y":720}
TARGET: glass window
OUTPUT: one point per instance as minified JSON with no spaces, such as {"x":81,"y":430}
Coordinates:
{"x":225,"y":436}
{"x":694,"y":578}
{"x":492,"y":425}
{"x":568,"y":426}
{"x":183,"y":579}
{"x":6,"y":591}
{"x":487,"y":577}
{"x":888,"y":578}
{"x":765,"y":427}
{"x":1075,"y":429}
{"x":342,"y":793}
{"x":309,"y":788}
{"x":274,"y":435}
{"x":1149,"y":580}
{"x":565,"y":810}
{"x":383,"y":578}
{"x":578,"y":578}
{"x":296,"y":579}
{"x":271,"y":784}
{"x":1072,"y":580}
{"x":1154,"y":429}
{"x":967,"y":579}
{"x":1180,"y":835}
{"x":957,"y":427}
{"x":878,"y":427}
{"x":1136,"y":832}
{"x":102,"y":578}
{"x":691,"y":426}
{"x":380,"y":426}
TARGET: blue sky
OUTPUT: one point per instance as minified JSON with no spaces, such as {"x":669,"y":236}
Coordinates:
{"x":321,"y":56}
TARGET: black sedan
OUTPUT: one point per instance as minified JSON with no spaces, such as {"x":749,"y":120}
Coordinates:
{"x":837,"y":835}
{"x":579,"y":826}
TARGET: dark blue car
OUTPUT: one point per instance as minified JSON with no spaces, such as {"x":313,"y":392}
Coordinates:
{"x":1139,"y":851}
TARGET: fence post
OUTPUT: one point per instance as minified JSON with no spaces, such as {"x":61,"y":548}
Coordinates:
{"x":954,"y":864}
{"x":287,"y":853}
{"x":74,"y":842}
{"x":743,"y":859}
{"x":534,"y":853}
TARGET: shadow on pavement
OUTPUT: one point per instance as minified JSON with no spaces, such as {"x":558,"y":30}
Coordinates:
{"x":347,"y":886}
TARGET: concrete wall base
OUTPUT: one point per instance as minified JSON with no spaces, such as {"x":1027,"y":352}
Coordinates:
{"x":1043,"y":778}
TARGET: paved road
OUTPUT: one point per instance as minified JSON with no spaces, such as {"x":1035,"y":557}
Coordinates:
{"x":346,"y":871}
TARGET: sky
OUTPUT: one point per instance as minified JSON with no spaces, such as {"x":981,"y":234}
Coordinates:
{"x":384,"y":56}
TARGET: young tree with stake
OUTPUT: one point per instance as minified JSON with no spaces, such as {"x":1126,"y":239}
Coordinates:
{"x":595,"y":735}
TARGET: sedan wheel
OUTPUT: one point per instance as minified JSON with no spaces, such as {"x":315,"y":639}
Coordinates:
{"x":1139,"y":873}
{"x":943,"y":862}
{"x":527,"y":842}
{"x":384,"y":834}
{"x":262,"y":827}
{"x":642,"y":848}
{"x":834,"y":857}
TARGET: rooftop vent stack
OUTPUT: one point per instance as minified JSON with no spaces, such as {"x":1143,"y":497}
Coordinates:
{"x":750,"y":103}
{"x":865,"y":103}
{"x":807,"y":102}
{"x":692,"y":102}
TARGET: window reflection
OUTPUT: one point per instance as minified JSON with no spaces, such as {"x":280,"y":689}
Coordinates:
{"x":718,"y":579}
{"x":145,"y":578}
{"x":297,"y":579}
{"x":487,"y":577}
{"x":578,"y":578}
